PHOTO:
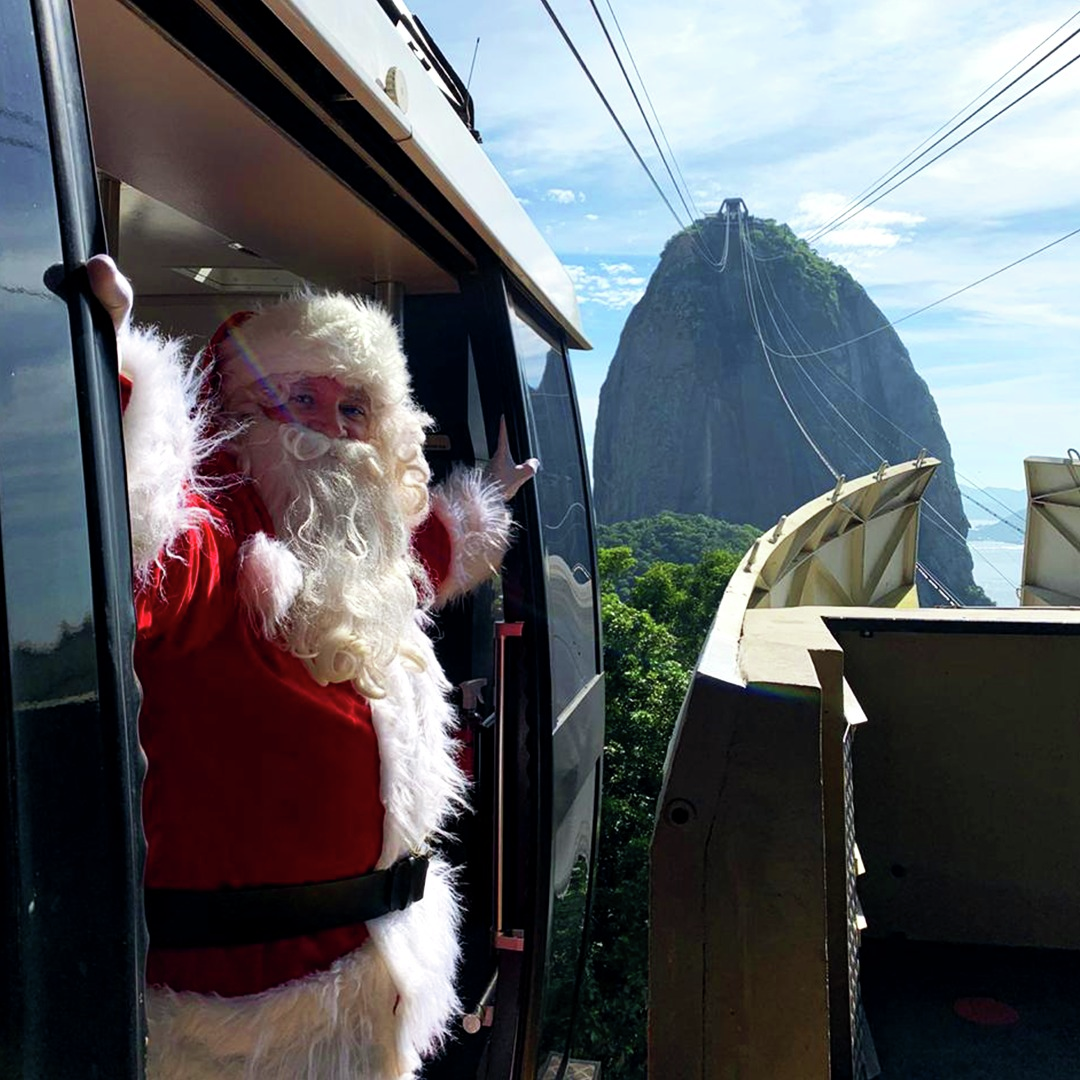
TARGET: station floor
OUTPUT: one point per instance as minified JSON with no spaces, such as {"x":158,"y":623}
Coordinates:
{"x":971,"y":1012}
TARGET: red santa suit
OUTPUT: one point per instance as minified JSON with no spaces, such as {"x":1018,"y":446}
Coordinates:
{"x":260,"y":776}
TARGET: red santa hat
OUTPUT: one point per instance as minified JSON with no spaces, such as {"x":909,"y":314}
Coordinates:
{"x":349,"y":338}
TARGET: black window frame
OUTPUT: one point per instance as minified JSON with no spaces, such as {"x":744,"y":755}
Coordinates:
{"x":71,"y":994}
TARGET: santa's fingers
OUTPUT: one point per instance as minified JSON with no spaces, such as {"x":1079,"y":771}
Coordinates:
{"x":112,"y":289}
{"x":522,"y":474}
{"x":505,"y":471}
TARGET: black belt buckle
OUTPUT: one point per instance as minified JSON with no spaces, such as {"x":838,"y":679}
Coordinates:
{"x":407,"y":878}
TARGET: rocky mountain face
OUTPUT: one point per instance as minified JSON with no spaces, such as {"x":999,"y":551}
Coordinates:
{"x":692,"y":419}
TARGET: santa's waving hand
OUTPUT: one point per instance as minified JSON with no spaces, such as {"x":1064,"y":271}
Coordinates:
{"x":299,"y":746}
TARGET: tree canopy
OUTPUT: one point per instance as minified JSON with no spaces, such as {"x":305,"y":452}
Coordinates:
{"x":674,"y":538}
{"x":656,"y":614}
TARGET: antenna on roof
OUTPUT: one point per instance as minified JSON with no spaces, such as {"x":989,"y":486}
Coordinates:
{"x":476,"y":49}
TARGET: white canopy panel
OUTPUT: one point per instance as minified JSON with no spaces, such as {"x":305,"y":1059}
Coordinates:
{"x":853,"y":547}
{"x":1052,"y":539}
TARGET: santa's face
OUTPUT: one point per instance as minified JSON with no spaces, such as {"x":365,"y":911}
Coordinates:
{"x":343,"y":496}
{"x":321,"y":403}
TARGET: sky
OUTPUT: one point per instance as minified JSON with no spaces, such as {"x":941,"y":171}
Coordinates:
{"x":797,"y":108}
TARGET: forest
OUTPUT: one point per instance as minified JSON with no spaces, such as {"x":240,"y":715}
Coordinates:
{"x":661,"y":581}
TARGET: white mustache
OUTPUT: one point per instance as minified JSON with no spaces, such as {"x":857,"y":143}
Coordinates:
{"x":303,"y":444}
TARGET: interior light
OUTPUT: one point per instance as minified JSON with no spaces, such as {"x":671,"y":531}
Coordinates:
{"x":271,"y":280}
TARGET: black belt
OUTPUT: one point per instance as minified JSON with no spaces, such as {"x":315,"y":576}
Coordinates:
{"x":207,"y":918}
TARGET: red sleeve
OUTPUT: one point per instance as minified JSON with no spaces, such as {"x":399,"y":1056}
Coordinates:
{"x":185,"y":595}
{"x":431,"y":545}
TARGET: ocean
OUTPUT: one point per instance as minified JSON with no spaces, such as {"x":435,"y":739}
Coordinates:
{"x":997,"y":569}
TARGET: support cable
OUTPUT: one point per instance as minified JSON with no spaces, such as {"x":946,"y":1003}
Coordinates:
{"x":844,"y":219}
{"x":950,"y":530}
{"x":618,"y":123}
{"x":745,"y":260}
{"x":641,"y":109}
{"x":946,"y":525}
{"x":877,"y":455}
{"x":899,"y":166}
{"x":926,"y":307}
{"x":938,"y":586}
{"x":652,"y":108}
{"x":916,"y":443}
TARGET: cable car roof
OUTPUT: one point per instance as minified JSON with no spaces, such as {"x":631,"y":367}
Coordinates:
{"x":168,"y":127}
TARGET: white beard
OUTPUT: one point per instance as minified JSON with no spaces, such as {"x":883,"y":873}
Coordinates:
{"x":344,"y":516}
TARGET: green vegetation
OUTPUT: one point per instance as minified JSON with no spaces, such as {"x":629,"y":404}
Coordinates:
{"x":656,"y":615}
{"x":675,"y":538}
{"x":816,"y":275}
{"x":680,"y":599}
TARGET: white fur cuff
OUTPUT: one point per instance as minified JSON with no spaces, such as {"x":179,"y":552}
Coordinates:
{"x":472,"y":509}
{"x":268,"y":578}
{"x":163,"y":441}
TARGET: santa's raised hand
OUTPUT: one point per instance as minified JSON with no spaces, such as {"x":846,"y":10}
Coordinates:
{"x":507,"y":473}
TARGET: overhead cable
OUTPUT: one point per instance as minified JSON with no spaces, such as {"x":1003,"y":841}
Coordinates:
{"x":898,"y":167}
{"x":916,"y":443}
{"x":926,"y":307}
{"x":641,"y":108}
{"x":877,"y":455}
{"x":946,"y":525}
{"x":937,"y":585}
{"x":756,"y":322}
{"x":652,"y":108}
{"x":956,"y":535}
{"x":611,"y":112}
{"x":843,"y":219}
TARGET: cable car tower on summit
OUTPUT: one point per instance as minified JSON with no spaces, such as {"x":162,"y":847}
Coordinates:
{"x":733,"y":210}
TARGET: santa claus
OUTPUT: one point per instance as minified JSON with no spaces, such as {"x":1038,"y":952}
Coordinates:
{"x":298,"y":738}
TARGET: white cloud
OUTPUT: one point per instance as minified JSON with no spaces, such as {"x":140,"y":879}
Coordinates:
{"x":564,"y":196}
{"x":616,"y":286}
{"x":852,"y":243}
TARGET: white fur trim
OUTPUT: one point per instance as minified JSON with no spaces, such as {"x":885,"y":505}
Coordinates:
{"x":371,"y":1016}
{"x":347,"y":337}
{"x":336,"y":1023}
{"x":268,"y":578}
{"x":378,"y":1011}
{"x":421,"y":785}
{"x":471,"y":507}
{"x":164,"y":442}
{"x":421,"y":951}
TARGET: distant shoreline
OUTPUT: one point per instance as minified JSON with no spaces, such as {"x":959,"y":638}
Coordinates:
{"x":997,"y":567}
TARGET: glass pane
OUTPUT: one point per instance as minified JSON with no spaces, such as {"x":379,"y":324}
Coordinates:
{"x":564,"y":517}
{"x":42,"y":500}
{"x":573,"y":840}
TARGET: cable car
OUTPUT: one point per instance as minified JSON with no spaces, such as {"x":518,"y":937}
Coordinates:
{"x":225,"y":151}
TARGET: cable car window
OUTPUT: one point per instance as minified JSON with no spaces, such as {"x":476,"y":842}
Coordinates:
{"x":70,"y":946}
{"x":564,"y":514}
{"x":567,"y":940}
{"x":42,"y":514}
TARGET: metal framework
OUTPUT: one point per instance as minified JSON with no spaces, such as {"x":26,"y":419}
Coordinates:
{"x":1051,"y":575}
{"x":855,"y":547}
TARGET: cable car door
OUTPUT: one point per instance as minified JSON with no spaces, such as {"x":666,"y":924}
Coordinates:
{"x":553,"y":715}
{"x":72,"y":940}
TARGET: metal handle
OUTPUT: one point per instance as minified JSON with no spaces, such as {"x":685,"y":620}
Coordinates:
{"x":483,"y":1014}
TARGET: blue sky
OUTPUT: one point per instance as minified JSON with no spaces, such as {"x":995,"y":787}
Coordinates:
{"x":797,"y":108}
